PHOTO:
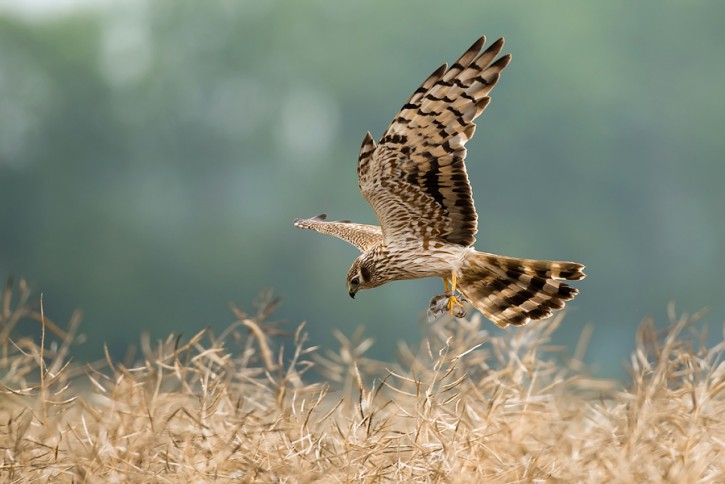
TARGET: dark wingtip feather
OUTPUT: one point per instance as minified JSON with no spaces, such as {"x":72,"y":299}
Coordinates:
{"x":497,"y":45}
{"x":478,"y":44}
{"x":300,"y":222}
{"x":439,"y":72}
{"x":502,"y":61}
{"x":492,"y":51}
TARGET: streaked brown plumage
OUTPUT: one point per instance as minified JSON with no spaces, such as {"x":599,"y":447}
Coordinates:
{"x":415,"y":179}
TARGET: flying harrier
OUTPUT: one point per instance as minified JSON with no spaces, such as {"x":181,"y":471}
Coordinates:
{"x":415,"y":179}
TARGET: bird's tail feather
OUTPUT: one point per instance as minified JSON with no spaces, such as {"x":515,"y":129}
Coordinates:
{"x":511,"y":291}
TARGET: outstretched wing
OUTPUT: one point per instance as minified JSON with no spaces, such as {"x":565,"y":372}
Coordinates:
{"x":415,"y":178}
{"x":360,"y":235}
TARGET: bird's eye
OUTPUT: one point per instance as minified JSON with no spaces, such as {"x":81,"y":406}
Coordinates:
{"x":355,"y":281}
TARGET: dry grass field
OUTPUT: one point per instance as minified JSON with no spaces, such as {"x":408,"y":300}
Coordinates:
{"x":254,"y":405}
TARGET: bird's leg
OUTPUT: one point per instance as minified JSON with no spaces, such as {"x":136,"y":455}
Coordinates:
{"x":448,"y":288}
{"x":453,"y":300}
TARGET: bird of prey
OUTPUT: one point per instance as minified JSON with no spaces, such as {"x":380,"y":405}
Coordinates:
{"x":416,"y":182}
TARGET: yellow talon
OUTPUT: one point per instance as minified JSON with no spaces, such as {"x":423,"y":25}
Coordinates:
{"x":452,"y":300}
{"x":452,"y":303}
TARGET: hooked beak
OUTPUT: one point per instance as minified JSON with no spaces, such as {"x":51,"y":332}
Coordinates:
{"x":352,"y":293}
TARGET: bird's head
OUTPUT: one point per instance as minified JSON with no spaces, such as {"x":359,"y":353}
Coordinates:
{"x":361,"y":275}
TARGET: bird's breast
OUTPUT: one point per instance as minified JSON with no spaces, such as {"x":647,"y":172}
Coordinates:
{"x":418,"y":260}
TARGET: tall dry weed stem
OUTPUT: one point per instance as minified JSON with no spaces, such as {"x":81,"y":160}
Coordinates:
{"x":464,"y":406}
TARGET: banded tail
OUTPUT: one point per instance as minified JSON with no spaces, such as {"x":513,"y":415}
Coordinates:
{"x":511,"y":291}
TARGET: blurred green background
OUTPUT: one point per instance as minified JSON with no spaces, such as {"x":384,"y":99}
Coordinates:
{"x":154,"y":154}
